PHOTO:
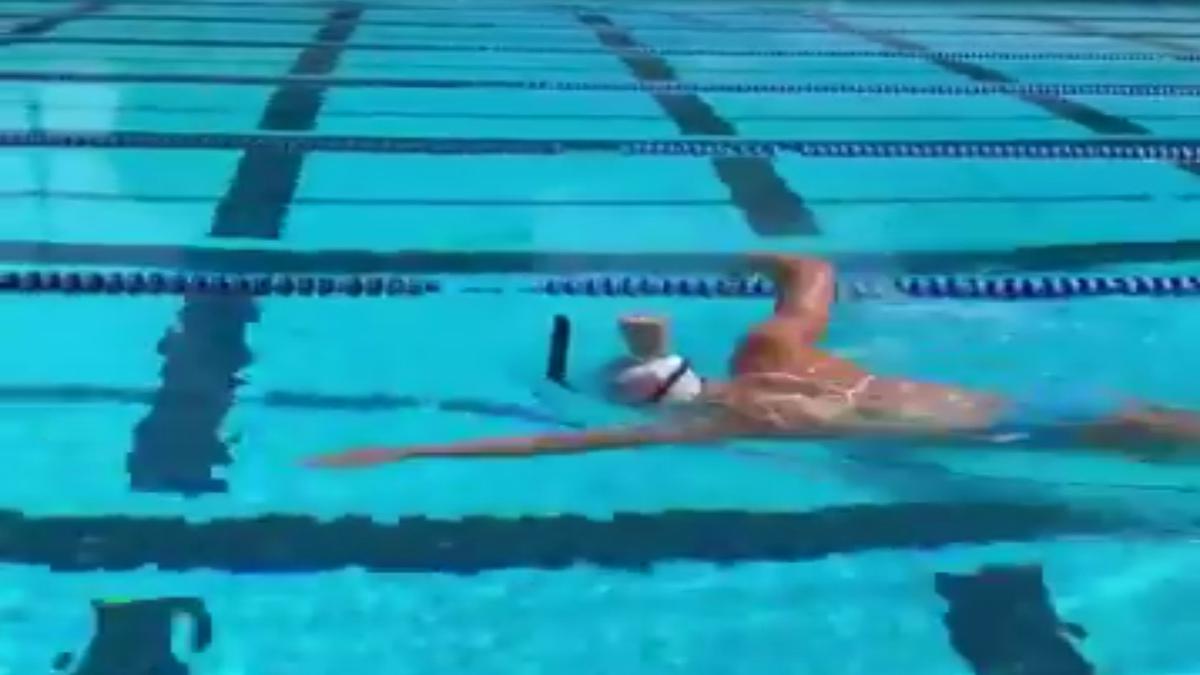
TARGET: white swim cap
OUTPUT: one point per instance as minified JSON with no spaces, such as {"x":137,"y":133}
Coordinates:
{"x":663,"y":379}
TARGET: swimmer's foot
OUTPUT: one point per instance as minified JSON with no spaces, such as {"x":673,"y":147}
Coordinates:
{"x":1148,"y":434}
{"x":646,"y":336}
{"x":1176,"y":425}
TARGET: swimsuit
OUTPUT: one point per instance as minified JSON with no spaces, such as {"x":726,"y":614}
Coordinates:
{"x":777,"y":406}
{"x":1044,"y":417}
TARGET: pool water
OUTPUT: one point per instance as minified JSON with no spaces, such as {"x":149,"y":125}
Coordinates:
{"x":157,"y":518}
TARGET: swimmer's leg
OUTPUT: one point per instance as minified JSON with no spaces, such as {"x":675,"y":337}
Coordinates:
{"x":1179,"y":424}
{"x":1143,"y":430}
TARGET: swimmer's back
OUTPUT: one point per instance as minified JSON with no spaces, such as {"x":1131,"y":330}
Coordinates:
{"x":771,"y":354}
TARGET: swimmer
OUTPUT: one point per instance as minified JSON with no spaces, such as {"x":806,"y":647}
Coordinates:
{"x":782,"y":385}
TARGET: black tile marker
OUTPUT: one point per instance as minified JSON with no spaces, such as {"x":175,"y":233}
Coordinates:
{"x":472,"y":544}
{"x":1086,"y":116}
{"x":572,"y":202}
{"x":1176,"y":49}
{"x":1062,"y":108}
{"x":177,"y":446}
{"x":769,"y":205}
{"x":37,"y":26}
{"x":1076,"y":26}
{"x":134,"y":637}
{"x":1001,"y":620}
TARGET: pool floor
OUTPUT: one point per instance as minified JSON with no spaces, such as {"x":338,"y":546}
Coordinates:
{"x":159,"y":518}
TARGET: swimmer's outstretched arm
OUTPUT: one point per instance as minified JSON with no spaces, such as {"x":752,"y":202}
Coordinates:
{"x":525,"y":446}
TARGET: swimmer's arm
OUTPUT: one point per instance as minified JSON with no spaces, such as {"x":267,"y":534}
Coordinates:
{"x":526,"y":446}
{"x":805,"y":289}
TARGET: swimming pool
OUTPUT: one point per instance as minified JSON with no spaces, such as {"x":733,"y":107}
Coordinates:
{"x":157,"y":512}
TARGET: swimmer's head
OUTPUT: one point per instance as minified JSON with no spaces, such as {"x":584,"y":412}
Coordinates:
{"x":663,"y":379}
{"x":650,"y":374}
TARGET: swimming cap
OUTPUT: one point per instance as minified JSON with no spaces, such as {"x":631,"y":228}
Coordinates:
{"x":663,"y":379}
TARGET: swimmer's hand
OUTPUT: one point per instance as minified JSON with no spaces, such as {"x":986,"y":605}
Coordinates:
{"x":360,"y":457}
{"x":526,"y":446}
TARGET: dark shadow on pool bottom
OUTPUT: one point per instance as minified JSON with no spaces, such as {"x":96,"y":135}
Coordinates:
{"x":1001,"y":620}
{"x":134,"y":638}
{"x":627,"y":541}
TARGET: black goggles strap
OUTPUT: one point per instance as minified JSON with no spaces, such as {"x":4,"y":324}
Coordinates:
{"x":674,"y":378}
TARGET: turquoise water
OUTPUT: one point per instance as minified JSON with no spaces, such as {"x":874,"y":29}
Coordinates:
{"x":121,"y":517}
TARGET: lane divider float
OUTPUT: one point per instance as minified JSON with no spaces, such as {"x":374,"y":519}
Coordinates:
{"x":979,"y":287}
{"x":1108,"y":149}
{"x":663,"y":87}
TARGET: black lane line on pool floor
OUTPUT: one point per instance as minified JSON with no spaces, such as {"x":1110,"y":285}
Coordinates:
{"x":846,"y":68}
{"x":289,"y":21}
{"x":178,"y":445}
{"x":1001,"y":620}
{"x":1170,"y":48}
{"x":1012,"y":15}
{"x":551,"y":203}
{"x":547,"y":26}
{"x":1176,"y":50}
{"x":392,"y":65}
{"x":626,"y":541}
{"x":1084,"y":115}
{"x":1072,"y":111}
{"x":135,"y":636}
{"x":695,"y":24}
{"x":1048,"y":258}
{"x":941,"y":16}
{"x":768,"y":53}
{"x":87,"y":394}
{"x":768,"y":204}
{"x":40,"y":25}
{"x":543,"y":10}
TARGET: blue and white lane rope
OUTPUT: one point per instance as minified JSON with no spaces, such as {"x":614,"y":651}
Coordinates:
{"x":1096,"y":149}
{"x":664,"y":88}
{"x":997,"y":287}
{"x":931,"y":286}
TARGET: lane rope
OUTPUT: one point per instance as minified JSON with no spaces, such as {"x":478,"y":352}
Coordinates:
{"x":661,"y":88}
{"x":931,"y":286}
{"x":698,"y":287}
{"x":1187,"y":150}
